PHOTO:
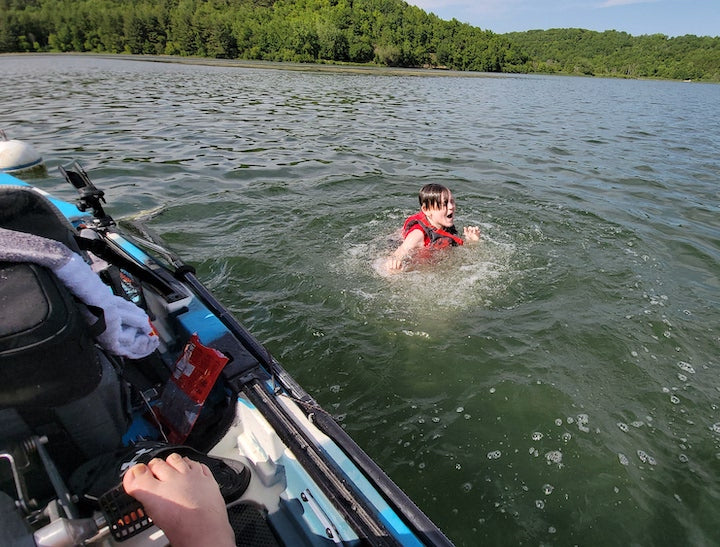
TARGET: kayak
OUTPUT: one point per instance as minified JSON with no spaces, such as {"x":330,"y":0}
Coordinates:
{"x":112,"y":350}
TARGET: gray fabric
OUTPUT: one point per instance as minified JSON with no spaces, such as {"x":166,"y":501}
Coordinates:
{"x":22,"y":247}
{"x":128,"y":331}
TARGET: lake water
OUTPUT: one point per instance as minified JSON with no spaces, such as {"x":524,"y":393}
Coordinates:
{"x":557,"y":384}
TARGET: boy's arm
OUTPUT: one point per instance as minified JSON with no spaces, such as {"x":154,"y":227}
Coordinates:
{"x":413,"y":240}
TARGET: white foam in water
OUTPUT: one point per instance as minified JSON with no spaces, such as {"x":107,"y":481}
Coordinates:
{"x":471,"y":275}
{"x":645,"y":457}
{"x":421,"y":334}
{"x":554,"y":456}
{"x":687,"y":367}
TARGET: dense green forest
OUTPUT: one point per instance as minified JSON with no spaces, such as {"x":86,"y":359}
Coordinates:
{"x":383,"y":32}
{"x":612,"y":53}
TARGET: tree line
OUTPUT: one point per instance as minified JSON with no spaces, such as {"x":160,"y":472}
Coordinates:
{"x":383,"y":32}
{"x":613,"y":53}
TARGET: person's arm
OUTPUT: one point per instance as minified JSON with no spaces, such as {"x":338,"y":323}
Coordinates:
{"x":183,"y":499}
{"x":471,"y":233}
{"x":415,"y":239}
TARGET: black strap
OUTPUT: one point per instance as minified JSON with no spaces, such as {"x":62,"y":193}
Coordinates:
{"x":98,"y":327}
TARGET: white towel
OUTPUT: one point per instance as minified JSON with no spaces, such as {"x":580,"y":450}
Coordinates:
{"x":128,"y":331}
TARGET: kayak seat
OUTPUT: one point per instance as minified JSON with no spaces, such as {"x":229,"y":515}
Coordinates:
{"x":55,"y":383}
{"x":24,"y":209}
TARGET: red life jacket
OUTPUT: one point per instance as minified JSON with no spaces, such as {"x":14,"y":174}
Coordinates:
{"x":433,"y":237}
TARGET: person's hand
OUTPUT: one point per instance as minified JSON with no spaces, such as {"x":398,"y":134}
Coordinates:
{"x":471,"y":233}
{"x":394,"y":265}
{"x":183,"y":499}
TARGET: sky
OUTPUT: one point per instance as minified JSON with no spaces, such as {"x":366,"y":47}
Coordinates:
{"x":636,"y":17}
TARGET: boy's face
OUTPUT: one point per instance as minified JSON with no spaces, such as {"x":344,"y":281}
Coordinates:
{"x":444,"y":215}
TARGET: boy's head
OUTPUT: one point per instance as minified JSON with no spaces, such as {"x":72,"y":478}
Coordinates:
{"x":438,"y":204}
{"x":434,"y":196}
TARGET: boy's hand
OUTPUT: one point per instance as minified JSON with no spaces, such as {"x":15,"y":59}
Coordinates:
{"x":394,"y":265}
{"x":471,"y":233}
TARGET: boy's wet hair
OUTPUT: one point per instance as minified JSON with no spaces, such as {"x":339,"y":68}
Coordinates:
{"x":433,"y":196}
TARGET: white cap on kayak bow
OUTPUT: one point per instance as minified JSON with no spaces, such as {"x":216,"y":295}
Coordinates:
{"x":17,"y":155}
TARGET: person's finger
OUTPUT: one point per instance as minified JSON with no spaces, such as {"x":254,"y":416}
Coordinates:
{"x":162,"y":469}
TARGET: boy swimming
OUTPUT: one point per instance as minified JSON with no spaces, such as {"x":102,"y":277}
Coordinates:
{"x":432,"y":227}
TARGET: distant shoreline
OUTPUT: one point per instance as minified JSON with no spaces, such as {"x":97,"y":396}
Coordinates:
{"x":277,"y":65}
{"x":376,"y":70}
